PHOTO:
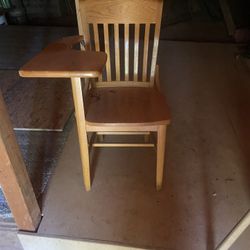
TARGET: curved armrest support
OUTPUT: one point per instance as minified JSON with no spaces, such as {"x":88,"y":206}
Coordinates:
{"x":60,"y":59}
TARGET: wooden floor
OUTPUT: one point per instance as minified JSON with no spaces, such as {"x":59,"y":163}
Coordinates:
{"x":206,"y":185}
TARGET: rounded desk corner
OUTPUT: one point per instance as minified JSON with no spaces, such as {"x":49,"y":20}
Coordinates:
{"x":21,"y":73}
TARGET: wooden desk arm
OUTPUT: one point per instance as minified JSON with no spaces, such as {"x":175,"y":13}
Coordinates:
{"x":60,"y":59}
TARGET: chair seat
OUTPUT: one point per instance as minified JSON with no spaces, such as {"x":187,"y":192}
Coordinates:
{"x":126,"y":106}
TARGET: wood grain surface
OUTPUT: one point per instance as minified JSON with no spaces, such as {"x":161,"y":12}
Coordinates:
{"x":117,"y":29}
{"x":60,"y":59}
{"x":130,"y":106}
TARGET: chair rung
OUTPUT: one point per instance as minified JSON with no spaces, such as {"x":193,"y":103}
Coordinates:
{"x":123,"y":133}
{"x":123,"y":145}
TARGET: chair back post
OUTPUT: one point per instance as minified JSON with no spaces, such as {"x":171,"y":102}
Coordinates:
{"x":128,"y":31}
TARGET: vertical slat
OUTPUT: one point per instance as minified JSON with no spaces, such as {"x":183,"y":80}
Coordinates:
{"x":97,"y":41}
{"x":126,"y":52}
{"x":136,"y":52}
{"x":155,"y":51}
{"x":145,"y":53}
{"x":117,"y":51}
{"x":107,"y":50}
{"x":96,"y":37}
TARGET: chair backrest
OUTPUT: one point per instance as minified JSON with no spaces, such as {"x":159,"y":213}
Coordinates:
{"x":128,"y":31}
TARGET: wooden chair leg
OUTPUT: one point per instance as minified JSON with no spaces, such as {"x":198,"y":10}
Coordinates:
{"x":161,"y":142}
{"x":82,"y":134}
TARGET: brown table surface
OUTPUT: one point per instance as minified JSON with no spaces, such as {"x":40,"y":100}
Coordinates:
{"x":60,"y":59}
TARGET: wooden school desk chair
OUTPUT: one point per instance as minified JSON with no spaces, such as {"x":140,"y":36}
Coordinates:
{"x":124,"y":98}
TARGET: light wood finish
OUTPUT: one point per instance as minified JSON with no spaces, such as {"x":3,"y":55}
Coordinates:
{"x":110,"y":107}
{"x":124,"y":145}
{"x":128,"y":12}
{"x":40,"y":242}
{"x":107,"y":50}
{"x":126,"y":107}
{"x":123,"y":11}
{"x":122,"y":133}
{"x":97,"y":42}
{"x":155,"y":52}
{"x":96,"y":37}
{"x":78,"y":14}
{"x":83,"y":28}
{"x":122,"y":84}
{"x":122,"y":109}
{"x":145,"y":52}
{"x":59,"y":59}
{"x":117,"y":52}
{"x":14,"y":179}
{"x":161,"y":142}
{"x":82,"y":134}
{"x":136,"y":52}
{"x":125,"y":128}
{"x":126,"y":46}
{"x":236,"y":232}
